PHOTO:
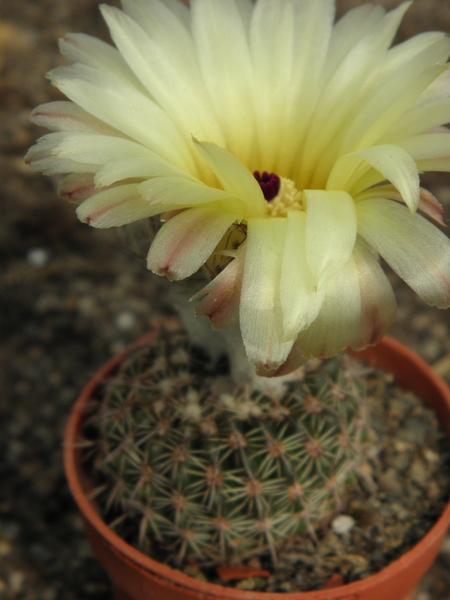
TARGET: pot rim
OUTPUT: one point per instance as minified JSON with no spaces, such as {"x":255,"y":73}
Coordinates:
{"x":87,"y":507}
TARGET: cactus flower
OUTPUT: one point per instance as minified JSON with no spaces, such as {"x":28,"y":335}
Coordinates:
{"x":280,"y":147}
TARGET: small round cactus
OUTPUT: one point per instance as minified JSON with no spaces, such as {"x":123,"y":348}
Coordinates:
{"x":218,"y":473}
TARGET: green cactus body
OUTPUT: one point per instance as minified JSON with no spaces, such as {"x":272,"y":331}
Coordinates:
{"x":218,"y":473}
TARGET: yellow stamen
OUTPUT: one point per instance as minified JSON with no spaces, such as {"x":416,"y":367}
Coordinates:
{"x":288,"y":198}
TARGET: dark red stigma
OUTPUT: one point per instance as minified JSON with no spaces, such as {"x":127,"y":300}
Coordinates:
{"x":269,"y":183}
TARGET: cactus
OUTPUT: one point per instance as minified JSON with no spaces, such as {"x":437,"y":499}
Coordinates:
{"x":217,"y":473}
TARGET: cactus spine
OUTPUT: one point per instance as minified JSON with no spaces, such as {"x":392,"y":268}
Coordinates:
{"x":218,"y":473}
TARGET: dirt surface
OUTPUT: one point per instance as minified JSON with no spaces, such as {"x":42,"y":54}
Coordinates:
{"x":70,"y":297}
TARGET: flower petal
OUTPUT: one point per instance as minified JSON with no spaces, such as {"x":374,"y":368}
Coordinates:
{"x":434,"y":164}
{"x":394,"y":164}
{"x":114,"y":207}
{"x":137,"y":167}
{"x":100,"y":149}
{"x":431,"y":207}
{"x":356,"y":25}
{"x":234,"y":178}
{"x":221,"y":41}
{"x":420,"y":119}
{"x":431,"y":109}
{"x":341,"y":98}
{"x":171,"y":193}
{"x":291,"y":364}
{"x":124,"y":107}
{"x":300,"y":300}
{"x":186,"y":241}
{"x":427,"y":145}
{"x":339,"y":318}
{"x":67,"y":116}
{"x":330,"y":232}
{"x":394,"y":92}
{"x":41,"y":157}
{"x":428,"y":204}
{"x":76,"y":188}
{"x":83,"y":49}
{"x":285,"y":87}
{"x":179,"y":9}
{"x":261,"y":316}
{"x":415,"y":249}
{"x":223,"y":294}
{"x":168,"y":23}
{"x":177,"y":88}
{"x":378,"y":305}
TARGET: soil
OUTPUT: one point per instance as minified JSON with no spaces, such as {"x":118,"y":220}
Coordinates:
{"x":70,"y":297}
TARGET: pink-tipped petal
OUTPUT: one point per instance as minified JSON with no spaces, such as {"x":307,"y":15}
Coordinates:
{"x":76,"y":188}
{"x":292,"y":363}
{"x":114,"y":207}
{"x":378,"y":305}
{"x":428,"y":204}
{"x":185,"y":242}
{"x":431,"y":207}
{"x":221,"y":303}
{"x":63,"y":115}
{"x":417,"y":251}
{"x":43,"y":157}
{"x":260,"y":312}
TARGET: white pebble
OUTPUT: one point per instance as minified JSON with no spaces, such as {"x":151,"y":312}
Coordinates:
{"x":125,"y":320}
{"x":37,"y":257}
{"x":343,"y":524}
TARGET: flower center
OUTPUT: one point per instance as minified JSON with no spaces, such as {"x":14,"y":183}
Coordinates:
{"x":269,"y":184}
{"x":280,"y":193}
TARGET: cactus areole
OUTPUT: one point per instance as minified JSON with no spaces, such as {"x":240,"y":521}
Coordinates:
{"x":135,"y":576}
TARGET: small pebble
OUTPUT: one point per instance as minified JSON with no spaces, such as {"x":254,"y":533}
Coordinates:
{"x":415,"y":431}
{"x":389,"y":482}
{"x":419,"y":472}
{"x":5,"y":548}
{"x":430,"y":456}
{"x":125,"y":320}
{"x":342,"y":524}
{"x":16,"y":581}
{"x":37,"y":257}
{"x":399,"y":462}
{"x":401,"y":512}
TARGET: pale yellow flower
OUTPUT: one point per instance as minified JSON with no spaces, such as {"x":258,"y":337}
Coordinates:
{"x":192,"y":103}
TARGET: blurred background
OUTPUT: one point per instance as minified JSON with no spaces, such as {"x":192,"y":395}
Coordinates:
{"x":71,"y":296}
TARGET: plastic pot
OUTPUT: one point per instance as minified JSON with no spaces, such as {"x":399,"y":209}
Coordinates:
{"x":138,"y":577}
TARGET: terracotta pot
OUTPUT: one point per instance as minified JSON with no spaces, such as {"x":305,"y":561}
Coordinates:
{"x":138,"y":577}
